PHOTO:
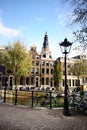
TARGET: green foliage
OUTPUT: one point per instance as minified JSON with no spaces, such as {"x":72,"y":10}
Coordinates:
{"x":16,"y":59}
{"x":57,"y":75}
{"x":79,"y":69}
{"x":1,"y":58}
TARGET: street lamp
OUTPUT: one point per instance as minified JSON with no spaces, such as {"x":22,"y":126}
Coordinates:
{"x":65,"y":48}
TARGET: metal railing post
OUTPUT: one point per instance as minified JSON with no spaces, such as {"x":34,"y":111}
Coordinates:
{"x":50,"y":99}
{"x":16,"y":96}
{"x":32,"y":105}
{"x":4,"y":94}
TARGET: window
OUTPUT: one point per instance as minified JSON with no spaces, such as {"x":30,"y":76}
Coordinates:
{"x":32,"y":81}
{"x":51,"y":71}
{"x":32,"y":71}
{"x":37,"y":63}
{"x":37,"y":57}
{"x":51,"y":63}
{"x":37,"y":70}
{"x":42,"y":81}
{"x":47,"y":81}
{"x":69,"y":82}
{"x":44,"y":55}
{"x":43,"y":71}
{"x":27,"y":80}
{"x":47,"y":71}
{"x":21,"y":81}
{"x":47,"y":63}
{"x":42,"y":63}
{"x":77,"y":82}
{"x":73,"y":82}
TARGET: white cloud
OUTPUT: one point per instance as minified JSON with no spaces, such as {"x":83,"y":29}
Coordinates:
{"x":6,"y":31}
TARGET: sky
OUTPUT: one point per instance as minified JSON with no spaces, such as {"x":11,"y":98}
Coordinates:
{"x":29,"y":20}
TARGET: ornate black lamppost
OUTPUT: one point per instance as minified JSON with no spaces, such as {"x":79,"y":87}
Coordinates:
{"x":65,"y":48}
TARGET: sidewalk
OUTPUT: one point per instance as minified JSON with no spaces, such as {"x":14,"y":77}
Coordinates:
{"x":21,"y":118}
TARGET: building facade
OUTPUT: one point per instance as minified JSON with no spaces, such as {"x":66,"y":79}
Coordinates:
{"x":41,"y":75}
{"x":72,"y":79}
{"x":43,"y":65}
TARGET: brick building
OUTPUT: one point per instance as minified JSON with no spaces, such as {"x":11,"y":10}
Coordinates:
{"x":43,"y":65}
{"x":41,"y":75}
{"x":72,"y":80}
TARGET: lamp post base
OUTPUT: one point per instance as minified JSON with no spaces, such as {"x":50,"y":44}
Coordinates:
{"x":66,"y":113}
{"x":66,"y":108}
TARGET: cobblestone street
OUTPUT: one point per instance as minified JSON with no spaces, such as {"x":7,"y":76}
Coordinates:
{"x":24,"y":118}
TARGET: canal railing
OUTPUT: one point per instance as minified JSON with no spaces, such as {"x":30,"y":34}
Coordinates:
{"x":47,"y":99}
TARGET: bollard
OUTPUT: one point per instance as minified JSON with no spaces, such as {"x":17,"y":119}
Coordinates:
{"x":16,"y":96}
{"x":4,"y":94}
{"x":32,"y":105}
{"x":50,"y":100}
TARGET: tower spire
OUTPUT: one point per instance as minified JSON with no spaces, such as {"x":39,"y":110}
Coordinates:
{"x":45,"y":49}
{"x":45,"y":43}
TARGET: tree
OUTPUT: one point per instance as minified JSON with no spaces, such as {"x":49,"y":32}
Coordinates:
{"x":17,"y":60}
{"x":79,"y":70}
{"x":79,"y":15}
{"x":57,"y":75}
